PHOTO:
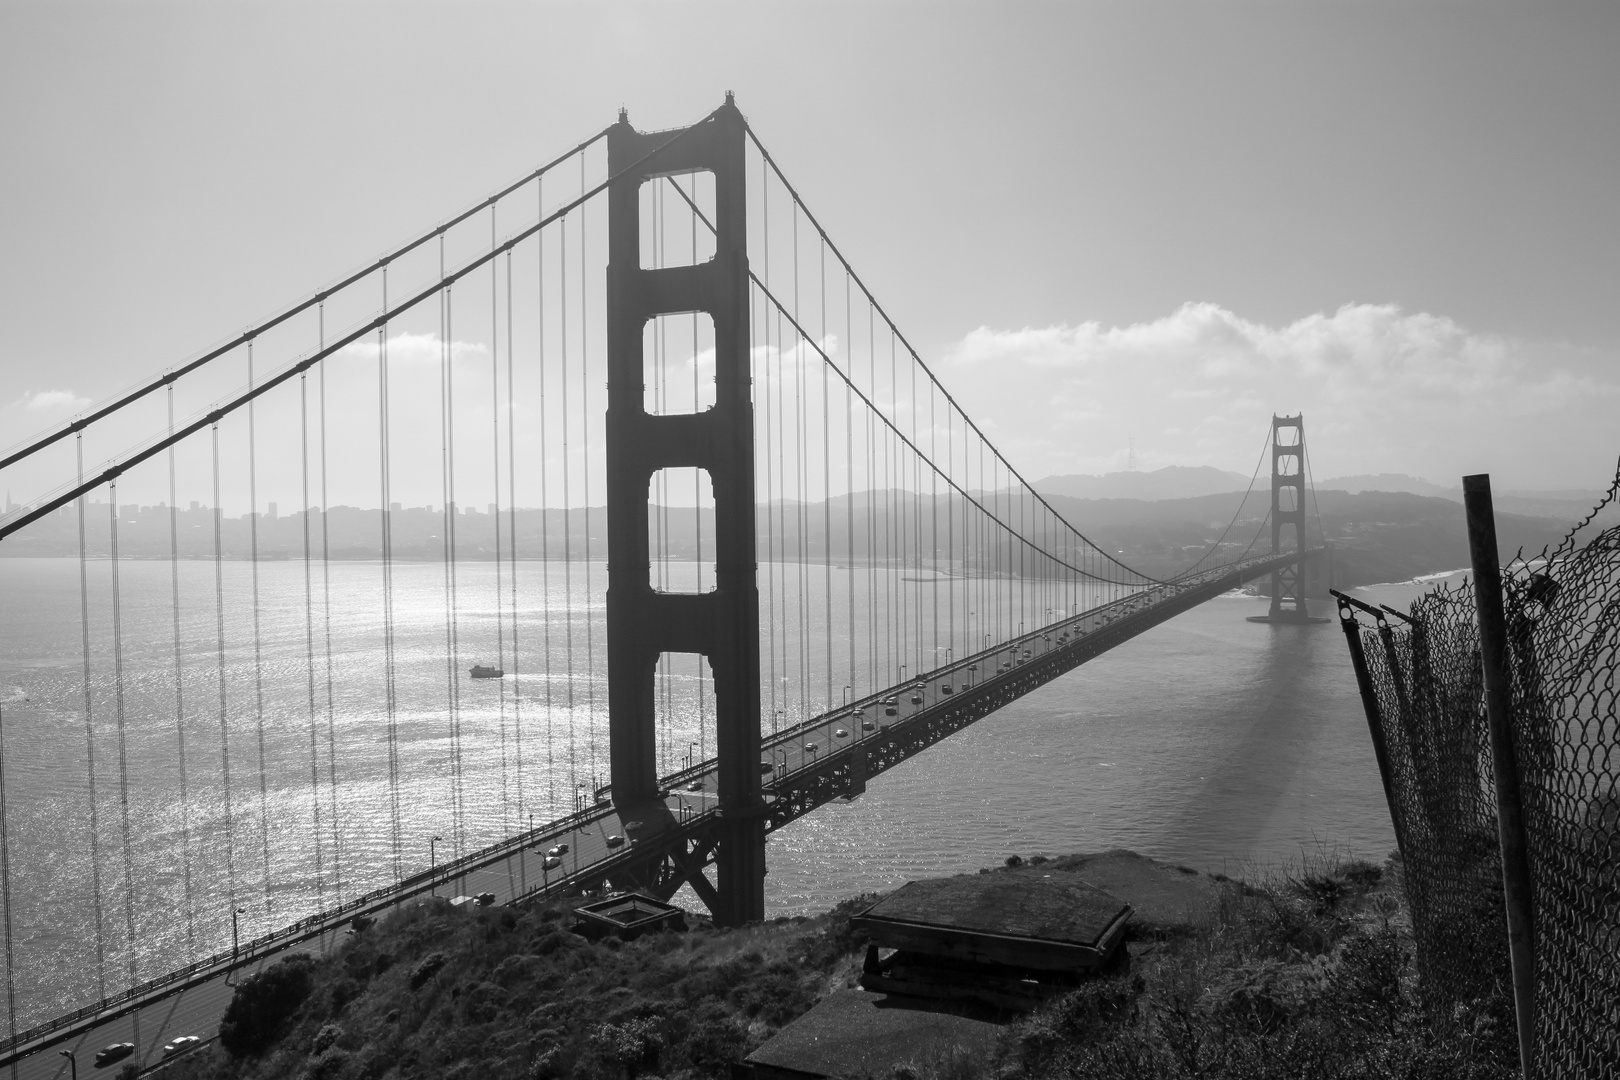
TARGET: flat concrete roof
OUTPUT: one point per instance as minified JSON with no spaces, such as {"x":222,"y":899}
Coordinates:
{"x":857,"y":1033}
{"x":1060,"y":909}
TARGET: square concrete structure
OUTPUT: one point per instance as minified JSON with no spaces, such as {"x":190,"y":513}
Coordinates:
{"x":1052,"y":924}
{"x":859,"y":1033}
{"x":628,"y":916}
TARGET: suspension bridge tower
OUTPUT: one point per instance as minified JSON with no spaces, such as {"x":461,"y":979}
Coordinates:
{"x":722,"y":625}
{"x":1288,"y":582}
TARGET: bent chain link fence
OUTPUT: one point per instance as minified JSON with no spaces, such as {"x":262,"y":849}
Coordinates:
{"x":1426,"y":700}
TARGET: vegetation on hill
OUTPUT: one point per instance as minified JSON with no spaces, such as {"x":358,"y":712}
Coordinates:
{"x":1309,"y":974}
{"x":452,"y":994}
{"x":1306,"y":974}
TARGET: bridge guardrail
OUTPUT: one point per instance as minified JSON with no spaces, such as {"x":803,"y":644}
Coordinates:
{"x":304,"y":928}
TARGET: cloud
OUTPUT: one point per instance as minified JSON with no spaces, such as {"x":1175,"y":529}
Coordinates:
{"x":1382,"y":390}
{"x":408,"y":348}
{"x":52,"y":401}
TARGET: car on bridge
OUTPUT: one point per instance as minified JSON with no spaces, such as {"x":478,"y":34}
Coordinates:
{"x":766,"y":767}
{"x":115,"y":1052}
{"x":551,"y":862}
{"x":615,"y":841}
{"x":558,"y":852}
{"x":181,"y":1045}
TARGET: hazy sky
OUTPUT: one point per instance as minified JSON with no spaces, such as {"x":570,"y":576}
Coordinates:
{"x":1105,"y":222}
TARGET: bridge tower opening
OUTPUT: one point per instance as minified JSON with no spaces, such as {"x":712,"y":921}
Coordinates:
{"x":723,"y":624}
{"x":1289,"y":581}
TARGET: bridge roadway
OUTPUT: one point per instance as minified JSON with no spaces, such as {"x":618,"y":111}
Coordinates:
{"x":830,"y":756}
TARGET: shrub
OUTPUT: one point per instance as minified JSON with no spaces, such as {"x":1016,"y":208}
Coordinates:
{"x":262,"y":1002}
{"x":329,"y":1066}
{"x":429,"y":967}
{"x":329,"y":1034}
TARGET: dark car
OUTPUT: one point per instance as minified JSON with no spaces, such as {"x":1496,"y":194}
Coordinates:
{"x":484,"y":899}
{"x":615,"y":840}
{"x":116,"y":1052}
{"x":557,"y":852}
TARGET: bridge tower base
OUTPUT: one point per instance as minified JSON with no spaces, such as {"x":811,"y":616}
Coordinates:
{"x":1288,"y":583}
{"x":642,"y":623}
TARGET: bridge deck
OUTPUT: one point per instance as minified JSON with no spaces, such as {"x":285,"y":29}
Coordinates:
{"x":827,"y":757}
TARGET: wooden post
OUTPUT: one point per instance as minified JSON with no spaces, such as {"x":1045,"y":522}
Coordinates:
{"x":1509,"y":806}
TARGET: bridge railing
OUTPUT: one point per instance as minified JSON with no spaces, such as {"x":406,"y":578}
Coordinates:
{"x":310,"y":926}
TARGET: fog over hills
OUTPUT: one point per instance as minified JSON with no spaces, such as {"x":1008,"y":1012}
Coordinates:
{"x":1170,"y":482}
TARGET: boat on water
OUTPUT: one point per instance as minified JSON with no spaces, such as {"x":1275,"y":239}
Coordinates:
{"x":484,"y":671}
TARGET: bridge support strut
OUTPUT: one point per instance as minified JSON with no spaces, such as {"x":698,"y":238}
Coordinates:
{"x":642,"y":623}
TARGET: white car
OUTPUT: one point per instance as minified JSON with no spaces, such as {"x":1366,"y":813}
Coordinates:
{"x":557,"y":852}
{"x":180,"y":1045}
{"x":551,"y":862}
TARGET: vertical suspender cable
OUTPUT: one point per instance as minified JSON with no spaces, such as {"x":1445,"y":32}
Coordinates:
{"x":90,"y":730}
{"x":179,"y":693}
{"x":326,"y":619}
{"x":258,"y":644}
{"x":849,"y":477}
{"x":385,"y":540}
{"x":5,"y":892}
{"x":123,"y":746}
{"x":512,"y":546}
{"x":826,"y":477}
{"x":495,"y":512}
{"x":545,"y":501}
{"x":390,"y":670}
{"x":448,"y":545}
{"x":219,"y":666}
{"x":585,"y":414}
{"x":568,"y":530}
{"x":309,"y":640}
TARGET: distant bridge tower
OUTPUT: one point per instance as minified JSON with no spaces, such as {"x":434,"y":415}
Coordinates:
{"x":722,"y":625}
{"x":1288,"y":585}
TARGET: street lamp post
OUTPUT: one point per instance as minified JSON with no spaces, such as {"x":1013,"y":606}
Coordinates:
{"x":691,"y":754}
{"x":433,"y":861}
{"x":236,"y":938}
{"x":846,"y":695}
{"x":73,"y":1064}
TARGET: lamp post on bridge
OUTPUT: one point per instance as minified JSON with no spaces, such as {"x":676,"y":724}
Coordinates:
{"x":236,"y":938}
{"x":73,"y":1064}
{"x":433,"y":862}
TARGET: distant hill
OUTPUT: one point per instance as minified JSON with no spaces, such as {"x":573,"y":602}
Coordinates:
{"x":1387,"y":482}
{"x":1377,"y":536}
{"x":1170,"y":482}
{"x":1564,"y":505}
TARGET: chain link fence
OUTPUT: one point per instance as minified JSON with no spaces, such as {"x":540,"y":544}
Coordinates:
{"x":1421,"y":681}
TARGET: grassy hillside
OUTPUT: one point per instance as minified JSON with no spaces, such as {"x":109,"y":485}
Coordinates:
{"x":1307,"y":973}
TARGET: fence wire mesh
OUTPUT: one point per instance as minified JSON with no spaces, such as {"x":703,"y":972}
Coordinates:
{"x":1424,"y":676}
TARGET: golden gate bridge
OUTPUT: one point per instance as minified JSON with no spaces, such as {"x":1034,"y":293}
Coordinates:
{"x":740,"y":552}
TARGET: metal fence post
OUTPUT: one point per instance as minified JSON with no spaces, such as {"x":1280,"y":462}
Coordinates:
{"x":1369,"y":704}
{"x":1509,"y":806}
